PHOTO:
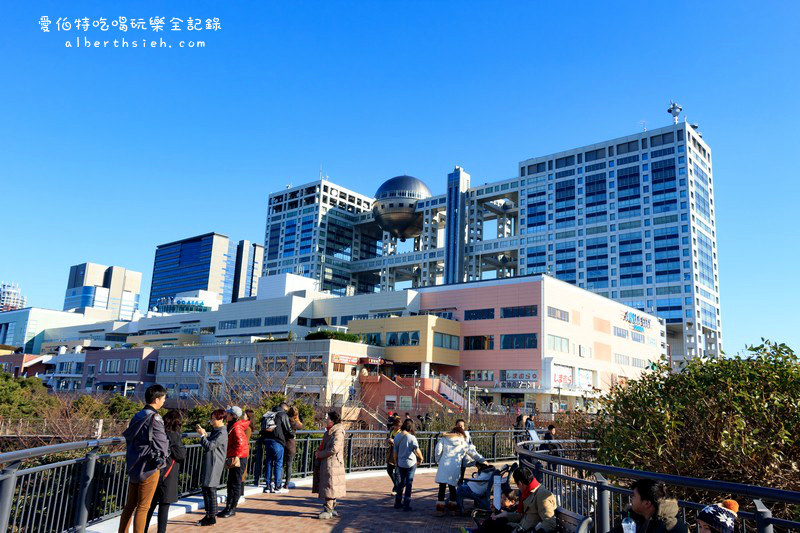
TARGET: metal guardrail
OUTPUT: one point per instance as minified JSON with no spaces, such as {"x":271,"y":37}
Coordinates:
{"x":88,"y":483}
{"x":581,"y":486}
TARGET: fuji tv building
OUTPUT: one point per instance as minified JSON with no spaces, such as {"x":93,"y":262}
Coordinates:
{"x":631,"y":219}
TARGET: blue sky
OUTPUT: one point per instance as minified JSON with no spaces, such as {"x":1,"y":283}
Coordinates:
{"x":108,"y":152}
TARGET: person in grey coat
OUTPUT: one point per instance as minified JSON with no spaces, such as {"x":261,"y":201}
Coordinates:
{"x":215,"y":446}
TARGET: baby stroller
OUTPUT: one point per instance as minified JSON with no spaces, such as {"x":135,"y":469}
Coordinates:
{"x":478,"y":488}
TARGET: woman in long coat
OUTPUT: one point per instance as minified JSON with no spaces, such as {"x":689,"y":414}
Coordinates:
{"x":329,"y":478}
{"x":451,"y":450}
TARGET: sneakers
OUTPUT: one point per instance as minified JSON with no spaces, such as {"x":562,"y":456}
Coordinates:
{"x":440,"y":509}
{"x":282,"y":490}
{"x":269,"y":489}
{"x":335,"y":513}
{"x":207,"y":521}
{"x":325,"y":515}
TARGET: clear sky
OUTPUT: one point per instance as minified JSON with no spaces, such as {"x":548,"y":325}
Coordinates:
{"x":105,"y":153}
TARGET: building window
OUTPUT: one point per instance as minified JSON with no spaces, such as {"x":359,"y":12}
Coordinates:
{"x":191,"y":364}
{"x":244,"y":364}
{"x":637,"y":337}
{"x":338,"y":367}
{"x":516,"y":312}
{"x":227,"y":324}
{"x":559,"y":344}
{"x":151,"y":368}
{"x":622,"y":359}
{"x":280,"y":320}
{"x":216,"y":368}
{"x":131,"y":366}
{"x":478,"y":375}
{"x":112,"y":366}
{"x":479,"y":342}
{"x":479,"y":314}
{"x":442,"y":340}
{"x":250,"y":323}
{"x":619,"y":332}
{"x":402,"y":338}
{"x":373,"y":339}
{"x":518,"y":341}
{"x":167,"y":365}
{"x":554,"y":312}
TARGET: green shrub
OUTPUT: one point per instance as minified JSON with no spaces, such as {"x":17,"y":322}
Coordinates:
{"x":730,"y":419}
{"x":335,"y":335}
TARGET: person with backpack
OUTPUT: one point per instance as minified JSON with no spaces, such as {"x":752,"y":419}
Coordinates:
{"x":238,"y":450}
{"x":146,"y":452}
{"x":276,"y":429}
{"x":167,"y":490}
{"x":215,"y":448}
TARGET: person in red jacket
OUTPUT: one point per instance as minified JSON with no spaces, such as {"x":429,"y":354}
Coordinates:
{"x":238,"y":450}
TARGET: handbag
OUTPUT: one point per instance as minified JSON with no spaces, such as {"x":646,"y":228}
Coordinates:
{"x":232,"y":462}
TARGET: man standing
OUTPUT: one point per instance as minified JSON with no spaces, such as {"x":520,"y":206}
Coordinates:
{"x":275,"y":431}
{"x":147,"y":450}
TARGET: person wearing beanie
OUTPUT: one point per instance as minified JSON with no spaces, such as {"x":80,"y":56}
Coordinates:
{"x":719,"y":518}
{"x":652,"y":510}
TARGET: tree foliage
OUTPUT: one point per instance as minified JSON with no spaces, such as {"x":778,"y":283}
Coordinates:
{"x":23,"y":397}
{"x":730,"y":419}
{"x":335,"y":335}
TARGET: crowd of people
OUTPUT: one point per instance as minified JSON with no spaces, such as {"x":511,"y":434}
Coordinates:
{"x":155,"y":454}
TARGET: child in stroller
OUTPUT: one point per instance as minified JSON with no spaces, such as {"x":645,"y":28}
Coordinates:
{"x":479,"y":487}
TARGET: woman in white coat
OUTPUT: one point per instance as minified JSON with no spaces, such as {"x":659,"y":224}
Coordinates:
{"x":451,"y":449}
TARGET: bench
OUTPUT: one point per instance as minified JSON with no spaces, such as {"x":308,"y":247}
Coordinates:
{"x":569,"y":522}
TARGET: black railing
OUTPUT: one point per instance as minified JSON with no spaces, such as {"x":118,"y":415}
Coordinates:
{"x":586,"y":488}
{"x":86,"y":481}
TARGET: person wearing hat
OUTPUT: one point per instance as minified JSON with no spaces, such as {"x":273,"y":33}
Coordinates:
{"x":238,"y":450}
{"x":719,"y":518}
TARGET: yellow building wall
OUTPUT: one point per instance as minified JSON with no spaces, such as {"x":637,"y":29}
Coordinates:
{"x":427,"y":325}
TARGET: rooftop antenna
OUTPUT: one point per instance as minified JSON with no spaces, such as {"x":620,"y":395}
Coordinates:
{"x":674,"y":110}
{"x":644,"y":124}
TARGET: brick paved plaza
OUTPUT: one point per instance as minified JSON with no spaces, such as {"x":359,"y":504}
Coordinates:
{"x":368,"y":507}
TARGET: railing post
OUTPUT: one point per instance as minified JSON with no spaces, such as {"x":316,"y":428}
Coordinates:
{"x":305,"y":455}
{"x":8,"y":481}
{"x":494,"y":446}
{"x":350,"y":452}
{"x":762,"y":515}
{"x":603,"y":504}
{"x":84,"y":492}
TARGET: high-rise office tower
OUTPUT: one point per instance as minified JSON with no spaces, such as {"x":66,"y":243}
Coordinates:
{"x":115,"y":288}
{"x":11,"y":297}
{"x":210,"y":262}
{"x":631,"y":218}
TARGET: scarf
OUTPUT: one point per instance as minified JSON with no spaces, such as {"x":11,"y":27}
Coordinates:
{"x":525,"y":493}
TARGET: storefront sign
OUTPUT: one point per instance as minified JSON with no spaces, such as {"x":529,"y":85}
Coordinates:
{"x":346,"y":359}
{"x":638,"y":322}
{"x":522,"y":375}
{"x":518,"y":384}
{"x":373,"y":361}
{"x":562,"y":375}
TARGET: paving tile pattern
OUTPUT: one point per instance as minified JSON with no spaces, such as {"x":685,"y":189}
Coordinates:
{"x":368,"y":507}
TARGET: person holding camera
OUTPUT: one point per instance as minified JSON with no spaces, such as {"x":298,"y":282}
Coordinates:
{"x":146,"y":453}
{"x":215,"y":448}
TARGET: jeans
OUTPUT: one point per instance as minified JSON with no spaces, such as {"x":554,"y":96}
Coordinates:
{"x":481,"y":500}
{"x":274,"y":468}
{"x":390,"y":469}
{"x":163,"y":510}
{"x":210,"y":501}
{"x":138,"y":503}
{"x":405,"y":478}
{"x":234,"y":486}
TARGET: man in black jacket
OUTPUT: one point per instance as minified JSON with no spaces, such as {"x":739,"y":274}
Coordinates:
{"x":275,"y":431}
{"x":652,"y":510}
